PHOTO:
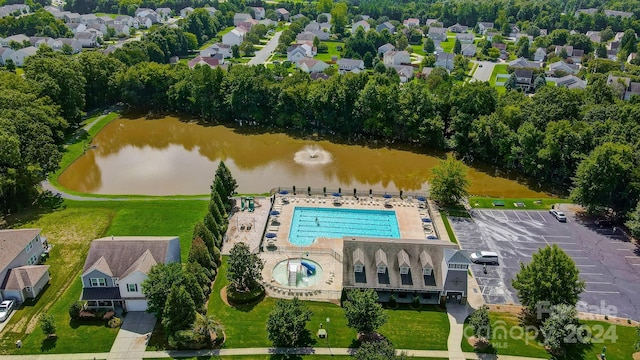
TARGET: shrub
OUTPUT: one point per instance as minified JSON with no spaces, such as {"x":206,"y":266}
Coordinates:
{"x":109,"y":315}
{"x":188,"y":340}
{"x":240,"y":298}
{"x":74,"y":310}
{"x":115,"y":322}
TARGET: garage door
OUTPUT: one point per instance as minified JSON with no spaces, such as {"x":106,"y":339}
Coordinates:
{"x":136,"y":305}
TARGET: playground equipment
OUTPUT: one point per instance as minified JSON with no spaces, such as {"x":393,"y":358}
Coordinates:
{"x":242,"y":203}
{"x":311,"y":269}
{"x":251,"y":202}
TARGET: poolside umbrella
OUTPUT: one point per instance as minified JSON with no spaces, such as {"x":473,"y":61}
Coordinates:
{"x":400,"y":194}
{"x":294,"y":190}
{"x":337,"y":194}
{"x":308,"y":190}
{"x":275,"y":213}
{"x":355,"y":192}
{"x":340,"y":190}
{"x":283,"y":192}
{"x":270,"y":235}
{"x":421,"y":198}
{"x":386,"y":196}
{"x":324,"y":191}
{"x":426,"y":220}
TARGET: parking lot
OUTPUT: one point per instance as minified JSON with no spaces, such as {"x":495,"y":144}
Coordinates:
{"x":608,"y":262}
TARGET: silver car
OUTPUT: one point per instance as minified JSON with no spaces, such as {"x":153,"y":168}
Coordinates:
{"x":6,"y":307}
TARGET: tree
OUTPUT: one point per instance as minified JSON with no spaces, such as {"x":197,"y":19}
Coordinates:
{"x":363,"y":312}
{"x":539,"y":82}
{"x":511,"y":83}
{"x":457,"y":47}
{"x":201,"y":231}
{"x":157,"y":285}
{"x":629,"y":42}
{"x":378,"y":350}
{"x":207,"y":326}
{"x":339,"y":17}
{"x":244,"y":271}
{"x":551,"y":278}
{"x":229,"y":183}
{"x":633,"y":222}
{"x":286,"y":325}
{"x":601,"y":51}
{"x":523,"y":50}
{"x":449,"y":183}
{"x":429,"y":46}
{"x":235,"y":50}
{"x":47,"y":324}
{"x":193,"y":288}
{"x":402,"y":43}
{"x":180,"y":311}
{"x":480,"y":323}
{"x":561,"y":328}
{"x":324,"y":6}
{"x":608,"y":171}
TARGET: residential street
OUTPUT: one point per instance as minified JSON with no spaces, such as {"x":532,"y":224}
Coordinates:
{"x":263,"y":54}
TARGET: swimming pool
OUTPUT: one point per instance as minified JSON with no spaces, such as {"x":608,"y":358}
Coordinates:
{"x":311,"y":223}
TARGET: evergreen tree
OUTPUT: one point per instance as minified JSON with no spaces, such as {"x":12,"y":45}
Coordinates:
{"x":244,"y":271}
{"x":179,"y":311}
{"x":193,"y":288}
{"x":539,"y":82}
{"x":200,"y":254}
{"x":224,"y":174}
{"x":511,"y":83}
{"x":457,"y":47}
{"x":201,"y":231}
{"x":429,"y":46}
{"x":211,"y":224}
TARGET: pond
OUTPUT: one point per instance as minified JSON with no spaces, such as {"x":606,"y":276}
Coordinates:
{"x":170,"y":157}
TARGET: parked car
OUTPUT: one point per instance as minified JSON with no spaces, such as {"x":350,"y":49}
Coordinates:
{"x":484,"y":257}
{"x":6,"y":307}
{"x":559,"y":215}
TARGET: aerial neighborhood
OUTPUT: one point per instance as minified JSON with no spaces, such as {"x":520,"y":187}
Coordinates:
{"x":331,"y":178}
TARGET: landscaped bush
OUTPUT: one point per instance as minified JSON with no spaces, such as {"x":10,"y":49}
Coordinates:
{"x":115,"y":322}
{"x":109,"y":315}
{"x":96,"y":315}
{"x":240,"y":298}
{"x":187,"y":340}
{"x":74,"y":310}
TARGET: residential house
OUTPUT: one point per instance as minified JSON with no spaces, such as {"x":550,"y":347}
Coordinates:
{"x":124,"y":19}
{"x":624,"y":86}
{"x":524,"y":79}
{"x":70,"y":17}
{"x":568,"y":49}
{"x":618,"y":36}
{"x":122,"y":29}
{"x":5,"y":54}
{"x":296,"y":17}
{"x":437,"y":34}
{"x":258,"y":12}
{"x":385,"y":48}
{"x":491,"y":35}
{"x":97,"y":27}
{"x":89,"y":19}
{"x":571,"y":82}
{"x":430,"y":22}
{"x":87,"y":39}
{"x":240,"y":18}
{"x":142,"y":22}
{"x":283,"y":14}
{"x":350,"y":65}
{"x":577,"y":56}
{"x":142,"y":11}
{"x":396,"y":58}
{"x":540,"y":54}
{"x":116,"y":267}
{"x":21,"y":277}
{"x":445,"y":60}
{"x":458,"y":29}
{"x":465,"y":38}
{"x":326,"y":15}
{"x":469,"y":50}
{"x":210,"y":61}
{"x":311,"y":65}
{"x":544,"y":32}
{"x":319,"y":76}
{"x":484,"y":27}
{"x":316,"y":26}
{"x":75,"y":44}
{"x":38,"y":41}
{"x":614,"y":13}
{"x":408,"y":269}
{"x":411,"y":22}
{"x":18,"y":38}
{"x":363,"y":24}
{"x":311,"y":35}
{"x":562,"y":68}
{"x":522,"y":63}
{"x":14,"y":10}
{"x":234,"y":37}
{"x":386,"y":26}
{"x":590,"y":11}
{"x":405,"y":72}
{"x":215,"y":49}
{"x":164,"y":13}
{"x":106,"y":20}
{"x":19,"y":56}
{"x":268,"y":23}
{"x":426,"y":71}
{"x":518,"y":36}
{"x":296,"y":53}
{"x":186,"y":11}
{"x":594,"y":36}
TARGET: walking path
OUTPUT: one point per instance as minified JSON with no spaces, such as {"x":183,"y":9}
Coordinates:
{"x":456,"y":313}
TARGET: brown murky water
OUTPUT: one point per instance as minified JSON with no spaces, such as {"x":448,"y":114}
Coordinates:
{"x":170,"y":157}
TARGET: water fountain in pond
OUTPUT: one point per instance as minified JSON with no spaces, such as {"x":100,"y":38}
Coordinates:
{"x":312,"y":155}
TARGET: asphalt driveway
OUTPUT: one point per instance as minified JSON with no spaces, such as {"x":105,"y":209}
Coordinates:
{"x":608,"y":262}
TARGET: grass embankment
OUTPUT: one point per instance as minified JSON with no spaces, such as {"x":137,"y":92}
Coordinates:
{"x":510,"y":338}
{"x":70,"y":231}
{"x":510,"y":203}
{"x":245,"y":326}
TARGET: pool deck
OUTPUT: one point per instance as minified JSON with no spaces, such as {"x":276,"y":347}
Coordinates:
{"x":257,"y":219}
{"x":325,"y":251}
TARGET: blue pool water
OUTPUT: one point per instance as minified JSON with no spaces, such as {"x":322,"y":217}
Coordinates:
{"x":336,"y":223}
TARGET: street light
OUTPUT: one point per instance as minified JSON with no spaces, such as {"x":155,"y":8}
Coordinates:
{"x":328,"y":321}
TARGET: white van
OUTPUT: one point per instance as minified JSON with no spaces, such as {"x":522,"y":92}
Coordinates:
{"x":484,"y":257}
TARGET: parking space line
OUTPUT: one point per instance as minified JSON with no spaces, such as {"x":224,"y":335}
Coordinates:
{"x":591,"y":273}
{"x":579,"y":257}
{"x":529,"y":215}
{"x":556,"y":236}
{"x":541,"y":217}
{"x":603,"y":292}
{"x":597,"y":282}
{"x":589,"y":265}
{"x":518,"y":216}
{"x":504,"y":213}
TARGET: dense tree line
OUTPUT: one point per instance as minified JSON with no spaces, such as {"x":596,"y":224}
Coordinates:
{"x":40,"y":23}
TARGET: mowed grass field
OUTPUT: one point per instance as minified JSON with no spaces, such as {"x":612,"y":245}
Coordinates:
{"x":70,"y":230}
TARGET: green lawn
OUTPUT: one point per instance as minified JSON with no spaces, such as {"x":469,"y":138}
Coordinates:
{"x":245,"y":326}
{"x":418,"y":49}
{"x":498,"y":69}
{"x":332,"y":51}
{"x":509,"y":203}
{"x":447,"y":226}
{"x":508,"y":339}
{"x":447,"y":46}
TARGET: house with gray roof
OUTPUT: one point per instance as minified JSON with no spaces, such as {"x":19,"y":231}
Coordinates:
{"x":465,"y":38}
{"x":445,"y":60}
{"x":428,"y":271}
{"x":385,"y":48}
{"x":21,"y":276}
{"x":437,"y":34}
{"x":386,"y":26}
{"x":571,"y":82}
{"x":116,"y":267}
{"x":457,"y":28}
{"x":19,"y":56}
{"x":5,"y":54}
{"x":350,"y":65}
{"x":522,"y":63}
